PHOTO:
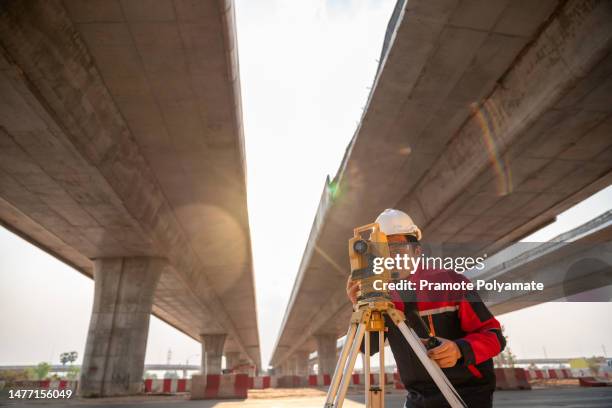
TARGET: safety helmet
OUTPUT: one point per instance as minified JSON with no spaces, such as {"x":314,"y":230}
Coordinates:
{"x":394,"y":222}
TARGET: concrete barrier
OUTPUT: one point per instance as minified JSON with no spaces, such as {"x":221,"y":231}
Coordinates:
{"x":319,"y":380}
{"x":535,"y":374}
{"x":593,"y":382}
{"x":557,"y":373}
{"x":397,"y":382}
{"x":46,"y":385}
{"x":167,"y":386}
{"x":560,"y":373}
{"x":511,"y":379}
{"x":216,"y":386}
{"x":273,"y":382}
{"x":260,"y":383}
{"x":359,"y":379}
{"x":292,"y":381}
{"x":581,"y":372}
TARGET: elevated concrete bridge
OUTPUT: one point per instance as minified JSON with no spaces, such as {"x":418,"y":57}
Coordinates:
{"x":121,"y":153}
{"x":576,"y":262}
{"x":485,"y":121}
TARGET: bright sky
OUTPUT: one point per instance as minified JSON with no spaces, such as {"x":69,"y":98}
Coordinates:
{"x":305,"y":70}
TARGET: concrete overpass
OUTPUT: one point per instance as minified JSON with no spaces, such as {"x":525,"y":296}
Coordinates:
{"x":485,"y":121}
{"x":576,"y":262}
{"x":121,"y":153}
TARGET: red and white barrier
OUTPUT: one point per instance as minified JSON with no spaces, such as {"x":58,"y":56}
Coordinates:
{"x":216,"y":386}
{"x":511,"y":379}
{"x":537,"y":374}
{"x":167,"y":386}
{"x":560,"y":373}
{"x":581,"y":372}
{"x":594,"y":382}
{"x":557,"y":373}
{"x":46,"y":385}
{"x":260,"y":383}
{"x":292,"y":381}
{"x":397,"y":381}
{"x":320,"y":380}
{"x":359,"y":379}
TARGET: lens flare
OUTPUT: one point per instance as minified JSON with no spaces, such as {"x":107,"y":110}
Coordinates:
{"x":333,"y":189}
{"x":486,"y":116}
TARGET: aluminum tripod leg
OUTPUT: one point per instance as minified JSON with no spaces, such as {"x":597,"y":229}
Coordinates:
{"x":366,"y":369}
{"x":432,"y":368}
{"x":335,"y":382}
{"x":350,"y":364}
{"x":336,"y":399}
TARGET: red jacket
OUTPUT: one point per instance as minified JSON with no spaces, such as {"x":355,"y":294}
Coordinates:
{"x":456,"y":315}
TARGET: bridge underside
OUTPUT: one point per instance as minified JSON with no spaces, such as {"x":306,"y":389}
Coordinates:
{"x":121,"y":138}
{"x":486,"y":120}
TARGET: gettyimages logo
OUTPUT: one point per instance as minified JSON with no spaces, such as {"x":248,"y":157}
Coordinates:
{"x":411,"y":264}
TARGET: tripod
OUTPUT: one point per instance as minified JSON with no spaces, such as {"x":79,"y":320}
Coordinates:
{"x":369,"y":318}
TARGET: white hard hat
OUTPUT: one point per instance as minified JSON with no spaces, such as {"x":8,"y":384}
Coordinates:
{"x":393,"y":222}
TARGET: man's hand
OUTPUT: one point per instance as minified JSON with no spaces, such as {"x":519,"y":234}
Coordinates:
{"x":446,"y":354}
{"x":352,"y":287}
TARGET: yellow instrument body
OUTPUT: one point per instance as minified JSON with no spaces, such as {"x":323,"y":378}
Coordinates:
{"x":362,"y":262}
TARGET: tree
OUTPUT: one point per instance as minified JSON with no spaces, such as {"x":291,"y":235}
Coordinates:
{"x":68,"y":357}
{"x":150,"y":375}
{"x":73,"y":373}
{"x":171,"y":374}
{"x":506,"y":358}
{"x":42,"y":370}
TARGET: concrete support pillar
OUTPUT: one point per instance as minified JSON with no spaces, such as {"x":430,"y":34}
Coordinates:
{"x":301,"y":362}
{"x":326,"y":349}
{"x":244,"y":364}
{"x":212,"y":352}
{"x":232,"y":358}
{"x":113,"y":363}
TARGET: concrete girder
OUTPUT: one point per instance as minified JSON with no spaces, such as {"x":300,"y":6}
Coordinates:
{"x":97,"y":161}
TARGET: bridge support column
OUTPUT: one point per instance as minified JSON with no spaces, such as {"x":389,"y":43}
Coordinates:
{"x":232,"y":358}
{"x":285,"y":368}
{"x":244,"y":364}
{"x":326,"y":349}
{"x":113,"y":363}
{"x":212,"y":352}
{"x":301,"y":362}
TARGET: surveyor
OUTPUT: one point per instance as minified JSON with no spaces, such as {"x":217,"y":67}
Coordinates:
{"x":469,"y":334}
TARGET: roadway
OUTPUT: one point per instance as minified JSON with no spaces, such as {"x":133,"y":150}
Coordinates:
{"x":540,"y":398}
